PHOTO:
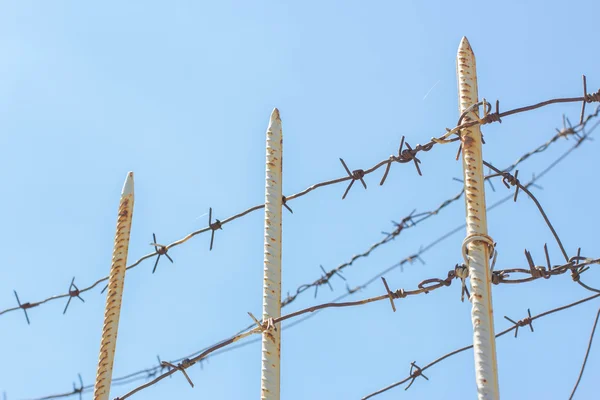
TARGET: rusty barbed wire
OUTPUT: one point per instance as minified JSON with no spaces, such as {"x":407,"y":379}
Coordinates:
{"x":412,"y":219}
{"x":423,"y":249}
{"x":410,"y":222}
{"x":526,"y":321}
{"x":424,"y":287}
{"x":152,"y":372}
{"x":574,"y":265}
{"x":404,"y":156}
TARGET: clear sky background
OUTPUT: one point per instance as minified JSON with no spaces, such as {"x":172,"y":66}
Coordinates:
{"x":181,"y":92}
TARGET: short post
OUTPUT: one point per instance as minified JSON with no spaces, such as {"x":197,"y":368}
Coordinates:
{"x":271,"y":336}
{"x":478,"y":244}
{"x":116,"y":279}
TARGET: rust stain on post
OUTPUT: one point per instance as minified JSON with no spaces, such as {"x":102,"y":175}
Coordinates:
{"x":115,"y":292}
{"x":484,"y":342}
{"x":271,"y":338}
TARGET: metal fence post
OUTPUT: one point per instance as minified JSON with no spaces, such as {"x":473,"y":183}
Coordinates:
{"x":116,"y":279}
{"x":478,"y":246}
{"x":271,"y":336}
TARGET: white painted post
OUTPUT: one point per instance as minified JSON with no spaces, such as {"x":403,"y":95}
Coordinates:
{"x":271,"y":337}
{"x":115,"y":292}
{"x":477,"y":241}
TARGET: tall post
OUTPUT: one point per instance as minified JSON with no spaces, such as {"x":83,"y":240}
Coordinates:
{"x":477,"y":241}
{"x":271,"y":336}
{"x":116,"y":279}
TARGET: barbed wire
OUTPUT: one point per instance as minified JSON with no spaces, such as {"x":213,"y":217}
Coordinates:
{"x":416,"y":371}
{"x":413,"y":220}
{"x":404,"y":156}
{"x":499,"y":276}
{"x":575,"y":264}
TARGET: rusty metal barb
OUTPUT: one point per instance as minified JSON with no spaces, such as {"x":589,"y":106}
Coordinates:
{"x":73,"y":292}
{"x":325,"y":279}
{"x":213,"y":227}
{"x":414,"y":373}
{"x":283,"y":202}
{"x":410,"y":154}
{"x":78,"y":390}
{"x":391,"y":160}
{"x":24,"y":306}
{"x":587,"y":98}
{"x":522,"y":322}
{"x":181,"y":367}
{"x":535,"y":271}
{"x":161,"y":250}
{"x":462,"y":272}
{"x":390,"y":293}
{"x":356,"y":175}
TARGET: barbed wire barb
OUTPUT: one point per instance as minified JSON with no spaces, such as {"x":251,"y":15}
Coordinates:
{"x":161,"y":250}
{"x":390,"y":294}
{"x":73,"y":292}
{"x":213,"y":227}
{"x":356,"y":175}
{"x":414,"y":373}
{"x":391,"y":160}
{"x":285,"y":204}
{"x":79,"y":390}
{"x":181,"y":367}
{"x":587,"y":98}
{"x":23,"y":306}
{"x":521,"y":322}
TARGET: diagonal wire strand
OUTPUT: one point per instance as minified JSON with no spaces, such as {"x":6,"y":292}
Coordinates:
{"x":587,"y":353}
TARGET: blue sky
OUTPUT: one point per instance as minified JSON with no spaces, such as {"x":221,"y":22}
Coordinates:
{"x":181,"y":93}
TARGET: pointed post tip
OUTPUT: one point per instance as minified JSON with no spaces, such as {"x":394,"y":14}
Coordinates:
{"x":465,"y":45}
{"x":128,"y":185}
{"x":275,"y":115}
